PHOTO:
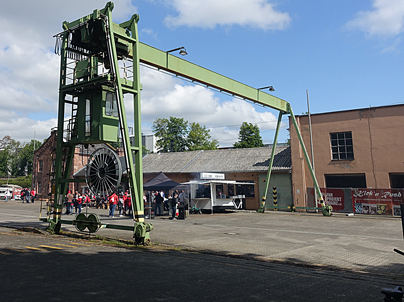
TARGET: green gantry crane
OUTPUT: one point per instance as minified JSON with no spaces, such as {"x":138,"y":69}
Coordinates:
{"x":99,"y":66}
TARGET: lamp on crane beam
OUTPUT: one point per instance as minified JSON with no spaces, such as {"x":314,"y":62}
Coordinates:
{"x":182,"y":50}
{"x":270,"y":88}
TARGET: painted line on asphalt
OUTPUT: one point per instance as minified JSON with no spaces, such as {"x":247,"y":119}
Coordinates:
{"x":51,"y":247}
{"x":59,"y":244}
{"x":35,"y":248}
{"x":80,"y":244}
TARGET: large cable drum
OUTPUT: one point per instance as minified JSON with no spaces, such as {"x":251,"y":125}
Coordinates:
{"x":103,"y":172}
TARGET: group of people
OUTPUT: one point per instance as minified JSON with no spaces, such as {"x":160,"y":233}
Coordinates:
{"x":156,"y":200}
{"x":122,"y":201}
{"x":28,"y":195}
{"x":75,"y":202}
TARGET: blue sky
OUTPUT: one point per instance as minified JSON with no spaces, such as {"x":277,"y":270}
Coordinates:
{"x":347,"y":54}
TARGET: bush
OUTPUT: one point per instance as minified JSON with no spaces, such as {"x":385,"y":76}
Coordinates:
{"x":23,"y":181}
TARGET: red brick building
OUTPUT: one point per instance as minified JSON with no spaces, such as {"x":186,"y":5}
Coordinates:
{"x":359,"y":148}
{"x":44,"y":165}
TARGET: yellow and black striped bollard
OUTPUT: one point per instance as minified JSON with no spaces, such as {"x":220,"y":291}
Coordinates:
{"x":275,"y":198}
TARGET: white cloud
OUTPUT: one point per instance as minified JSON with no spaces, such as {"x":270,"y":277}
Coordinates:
{"x":164,"y":96}
{"x":150,"y":32}
{"x":210,"y":13}
{"x":21,"y":128}
{"x":386,"y":19}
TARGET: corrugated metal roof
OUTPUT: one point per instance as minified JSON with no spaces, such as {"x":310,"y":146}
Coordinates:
{"x":226,"y":160}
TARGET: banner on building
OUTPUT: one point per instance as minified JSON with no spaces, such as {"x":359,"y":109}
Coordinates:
{"x":333,"y":197}
{"x":377,"y":201}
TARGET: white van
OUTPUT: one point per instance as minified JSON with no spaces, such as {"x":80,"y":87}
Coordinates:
{"x":3,"y":191}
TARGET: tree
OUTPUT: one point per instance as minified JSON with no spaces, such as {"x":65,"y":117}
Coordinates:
{"x":249,"y":136}
{"x":8,"y":155}
{"x":4,"y":160}
{"x":171,"y":134}
{"x":176,"y":135}
{"x":23,"y":163}
{"x":200,"y":139}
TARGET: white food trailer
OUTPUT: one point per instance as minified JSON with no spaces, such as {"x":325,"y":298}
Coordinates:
{"x":205,"y":196}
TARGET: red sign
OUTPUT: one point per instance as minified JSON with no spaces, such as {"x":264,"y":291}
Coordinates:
{"x":333,"y":197}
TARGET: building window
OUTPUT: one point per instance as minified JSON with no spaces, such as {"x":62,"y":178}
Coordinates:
{"x":40,"y":166}
{"x":345,"y":180}
{"x":247,"y":190}
{"x":111,"y":106}
{"x":342,"y":146}
{"x":396,"y":180}
{"x":39,"y":191}
{"x":88,"y":116}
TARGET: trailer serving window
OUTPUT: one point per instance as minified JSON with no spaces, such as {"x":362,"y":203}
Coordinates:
{"x":247,"y":190}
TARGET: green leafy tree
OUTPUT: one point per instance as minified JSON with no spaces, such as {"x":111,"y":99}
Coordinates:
{"x":249,"y":136}
{"x":200,"y":139}
{"x":22,"y":164}
{"x":4,"y":160}
{"x":176,"y":135}
{"x":171,"y":134}
{"x":8,"y":155}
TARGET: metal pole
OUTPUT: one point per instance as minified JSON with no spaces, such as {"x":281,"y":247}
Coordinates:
{"x":402,"y":216}
{"x":33,"y":161}
{"x":271,"y":161}
{"x":311,"y":144}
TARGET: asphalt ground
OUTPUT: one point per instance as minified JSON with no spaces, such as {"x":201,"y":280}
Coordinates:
{"x":222,"y":257}
{"x":36,"y":267}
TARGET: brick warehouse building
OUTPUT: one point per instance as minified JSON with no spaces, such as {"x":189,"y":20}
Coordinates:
{"x":359,"y":148}
{"x":245,"y":165}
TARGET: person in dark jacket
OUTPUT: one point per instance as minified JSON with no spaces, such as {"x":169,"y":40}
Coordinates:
{"x":159,"y":201}
{"x":174,"y":202}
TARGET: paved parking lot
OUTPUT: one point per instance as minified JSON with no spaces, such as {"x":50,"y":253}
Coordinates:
{"x":359,"y":243}
{"x":37,"y":267}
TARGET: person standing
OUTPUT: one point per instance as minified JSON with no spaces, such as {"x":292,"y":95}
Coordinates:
{"x":174,"y":202}
{"x":159,"y":200}
{"x":7,"y":194}
{"x":128,"y":203}
{"x":86,"y":200}
{"x":69,"y":202}
{"x":121,"y":205}
{"x":75,"y":201}
{"x":33,"y":195}
{"x":79,"y":203}
{"x":27,"y":195}
{"x":182,"y":197}
{"x":113,"y":201}
{"x":22,"y":195}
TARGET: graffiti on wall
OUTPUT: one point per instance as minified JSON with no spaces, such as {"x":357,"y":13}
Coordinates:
{"x":377,"y":201}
